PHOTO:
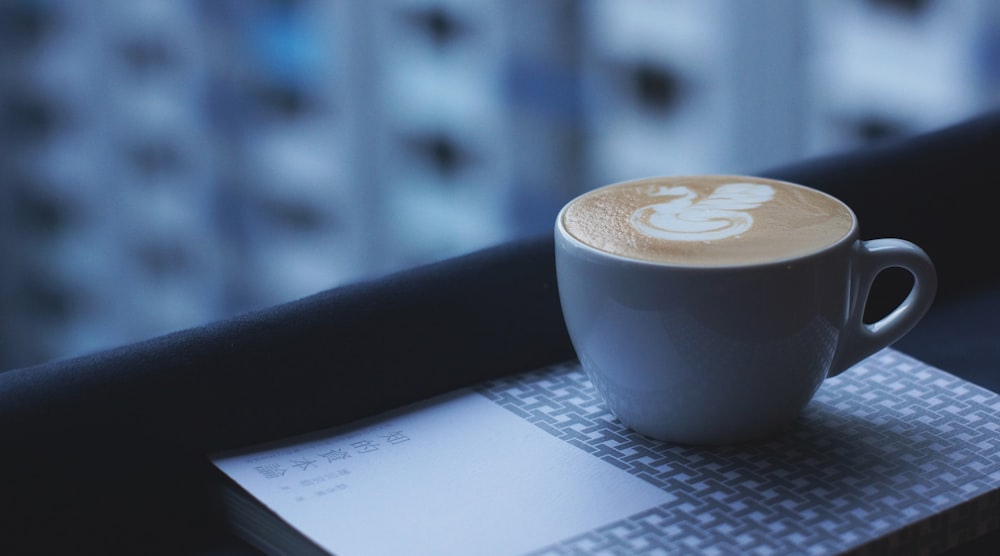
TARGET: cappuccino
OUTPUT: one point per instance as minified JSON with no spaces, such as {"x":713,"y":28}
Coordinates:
{"x":709,"y":309}
{"x":712,"y":220}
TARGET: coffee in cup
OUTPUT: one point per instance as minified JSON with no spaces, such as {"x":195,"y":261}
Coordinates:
{"x":707,"y":220}
{"x":708,"y":309}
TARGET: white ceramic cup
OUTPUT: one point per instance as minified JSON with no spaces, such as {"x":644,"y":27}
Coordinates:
{"x":719,"y":353}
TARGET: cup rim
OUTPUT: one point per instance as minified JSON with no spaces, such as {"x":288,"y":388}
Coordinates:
{"x":848,"y":238}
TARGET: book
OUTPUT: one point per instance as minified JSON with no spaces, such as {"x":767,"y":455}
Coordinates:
{"x":891,"y":456}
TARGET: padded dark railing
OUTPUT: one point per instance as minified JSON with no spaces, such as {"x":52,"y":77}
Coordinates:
{"x":107,"y":453}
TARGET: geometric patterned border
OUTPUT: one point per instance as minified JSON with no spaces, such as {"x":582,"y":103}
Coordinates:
{"x":890,"y":456}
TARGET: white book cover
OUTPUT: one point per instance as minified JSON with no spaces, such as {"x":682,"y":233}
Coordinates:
{"x":893,"y":453}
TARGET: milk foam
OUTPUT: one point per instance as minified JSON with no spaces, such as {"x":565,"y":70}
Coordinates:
{"x":690,"y":217}
{"x":707,"y":220}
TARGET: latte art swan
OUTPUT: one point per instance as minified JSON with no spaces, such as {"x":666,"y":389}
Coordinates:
{"x":685,"y":218}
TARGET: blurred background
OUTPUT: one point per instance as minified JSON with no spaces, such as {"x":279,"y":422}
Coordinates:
{"x":167,"y":163}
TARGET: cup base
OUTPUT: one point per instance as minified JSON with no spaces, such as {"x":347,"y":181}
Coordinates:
{"x":739,"y":416}
{"x":711,"y":438}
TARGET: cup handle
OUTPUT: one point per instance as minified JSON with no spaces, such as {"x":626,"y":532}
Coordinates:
{"x":860,"y":340}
